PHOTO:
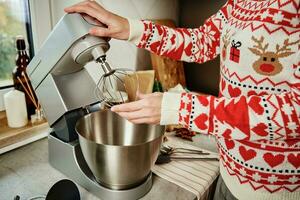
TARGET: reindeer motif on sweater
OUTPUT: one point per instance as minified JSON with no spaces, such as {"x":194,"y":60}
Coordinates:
{"x":268,"y":63}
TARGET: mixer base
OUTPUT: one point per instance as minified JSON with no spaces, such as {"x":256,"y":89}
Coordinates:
{"x":68,"y":159}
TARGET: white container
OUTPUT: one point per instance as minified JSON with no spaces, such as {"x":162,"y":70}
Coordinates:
{"x":15,"y":106}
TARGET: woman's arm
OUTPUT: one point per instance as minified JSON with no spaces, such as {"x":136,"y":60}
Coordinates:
{"x":191,"y":45}
{"x":267,"y":117}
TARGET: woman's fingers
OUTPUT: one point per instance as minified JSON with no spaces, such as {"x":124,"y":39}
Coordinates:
{"x":89,"y":8}
{"x":144,"y":96}
{"x":117,"y":26}
{"x":93,"y":4}
{"x":143,"y":113}
{"x":83,"y":3}
{"x":147,"y":110}
{"x":100,"y":31}
{"x":72,"y":9}
{"x":92,"y":11}
{"x":83,"y":9}
{"x":128,"y":107}
{"x":151,"y":120}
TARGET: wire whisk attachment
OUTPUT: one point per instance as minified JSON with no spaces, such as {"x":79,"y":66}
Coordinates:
{"x":115,"y":85}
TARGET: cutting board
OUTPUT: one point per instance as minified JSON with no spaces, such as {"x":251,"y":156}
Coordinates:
{"x":168,"y":71}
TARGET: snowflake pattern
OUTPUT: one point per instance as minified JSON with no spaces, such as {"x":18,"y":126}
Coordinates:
{"x":295,"y":21}
{"x":210,"y":35}
{"x":278,"y":17}
{"x":256,"y":177}
{"x":243,"y":172}
{"x":293,"y":179}
{"x":232,"y":165}
{"x":185,"y":99}
{"x":184,"y":112}
{"x":264,"y":15}
{"x":287,"y":109}
{"x":272,"y":179}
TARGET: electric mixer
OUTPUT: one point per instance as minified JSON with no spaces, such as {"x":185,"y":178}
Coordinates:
{"x":65,"y":91}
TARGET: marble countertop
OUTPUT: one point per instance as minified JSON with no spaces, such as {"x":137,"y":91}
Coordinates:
{"x":27,"y":173}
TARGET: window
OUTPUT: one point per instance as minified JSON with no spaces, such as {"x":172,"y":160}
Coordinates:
{"x":14,"y":20}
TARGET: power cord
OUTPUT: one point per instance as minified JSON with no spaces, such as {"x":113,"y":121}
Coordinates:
{"x":17,"y":197}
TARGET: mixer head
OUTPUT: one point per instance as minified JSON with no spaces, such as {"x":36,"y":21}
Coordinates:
{"x":114,"y":85}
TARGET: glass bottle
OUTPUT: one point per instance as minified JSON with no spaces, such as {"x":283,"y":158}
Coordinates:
{"x":22,"y":60}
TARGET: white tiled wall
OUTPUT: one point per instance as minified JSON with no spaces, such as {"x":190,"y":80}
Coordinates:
{"x":122,"y":53}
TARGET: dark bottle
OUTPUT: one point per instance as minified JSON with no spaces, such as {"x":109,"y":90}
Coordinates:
{"x":157,"y":87}
{"x":22,"y":60}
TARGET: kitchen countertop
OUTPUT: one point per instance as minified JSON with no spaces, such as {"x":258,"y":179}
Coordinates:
{"x":27,"y":173}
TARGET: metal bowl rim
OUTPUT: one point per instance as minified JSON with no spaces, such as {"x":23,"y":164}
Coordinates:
{"x":120,"y":146}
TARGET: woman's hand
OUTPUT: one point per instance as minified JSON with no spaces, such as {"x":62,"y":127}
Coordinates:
{"x":146,"y":110}
{"x":117,"y":26}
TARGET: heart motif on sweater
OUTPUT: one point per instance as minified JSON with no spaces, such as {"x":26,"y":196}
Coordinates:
{"x":294,"y":160}
{"x":234,"y":92}
{"x":188,"y":49}
{"x":227,"y":134}
{"x":229,"y":144}
{"x":252,"y":92}
{"x":254,"y":105}
{"x":273,"y":160}
{"x":200,"y":121}
{"x":173,"y":39}
{"x":260,"y":129}
{"x":203,"y":100}
{"x":247,"y":154}
{"x":154,"y":46}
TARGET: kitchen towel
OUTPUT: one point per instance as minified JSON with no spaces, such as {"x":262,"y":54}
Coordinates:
{"x":195,"y":176}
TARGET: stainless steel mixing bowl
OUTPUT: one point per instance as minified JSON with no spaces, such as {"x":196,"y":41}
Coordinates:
{"x":119,"y":153}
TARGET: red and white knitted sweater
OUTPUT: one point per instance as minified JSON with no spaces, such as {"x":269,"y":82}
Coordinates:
{"x":256,"y":117}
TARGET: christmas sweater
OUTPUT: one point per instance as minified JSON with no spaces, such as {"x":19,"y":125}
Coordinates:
{"x":256,"y":116}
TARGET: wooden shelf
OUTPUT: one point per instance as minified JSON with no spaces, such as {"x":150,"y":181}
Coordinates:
{"x":10,"y":136}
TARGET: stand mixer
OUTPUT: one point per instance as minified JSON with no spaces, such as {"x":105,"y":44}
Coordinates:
{"x":66,"y":93}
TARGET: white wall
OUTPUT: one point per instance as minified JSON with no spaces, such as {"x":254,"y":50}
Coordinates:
{"x":123,"y":54}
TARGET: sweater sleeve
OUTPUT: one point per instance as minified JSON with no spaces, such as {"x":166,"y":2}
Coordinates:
{"x":266,"y":117}
{"x":190,"y":45}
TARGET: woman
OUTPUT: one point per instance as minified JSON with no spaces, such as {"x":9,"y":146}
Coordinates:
{"x":256,"y":117}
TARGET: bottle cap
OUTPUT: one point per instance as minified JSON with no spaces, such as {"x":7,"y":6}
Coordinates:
{"x":20,"y":42}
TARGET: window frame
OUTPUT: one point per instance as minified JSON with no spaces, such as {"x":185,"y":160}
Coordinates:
{"x":38,"y":26}
{"x":29,"y":36}
{"x":28,"y":26}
